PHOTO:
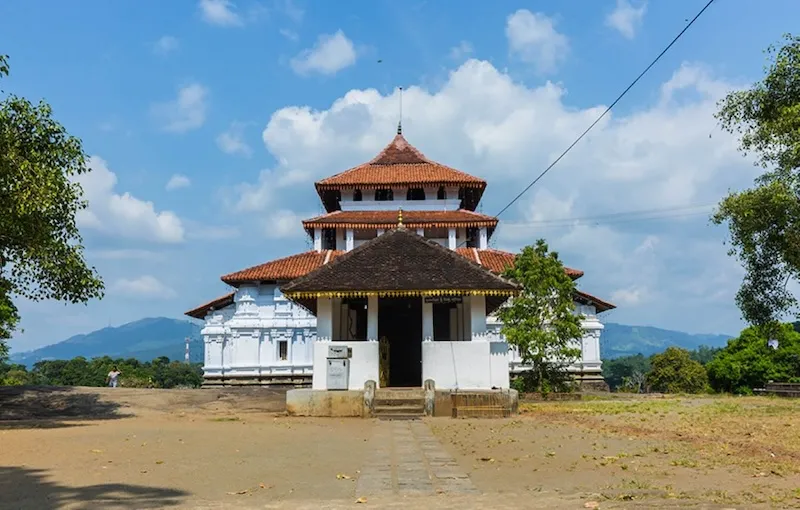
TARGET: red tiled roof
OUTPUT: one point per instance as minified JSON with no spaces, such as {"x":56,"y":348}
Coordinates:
{"x":599,"y":304}
{"x":498,"y":260}
{"x":411,"y":219}
{"x":287,"y":268}
{"x":221,"y":302}
{"x":400,"y":164}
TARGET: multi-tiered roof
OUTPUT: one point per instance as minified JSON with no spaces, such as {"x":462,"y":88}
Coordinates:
{"x":398,"y":166}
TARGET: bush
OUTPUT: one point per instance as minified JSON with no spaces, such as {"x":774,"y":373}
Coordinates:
{"x":674,"y":371}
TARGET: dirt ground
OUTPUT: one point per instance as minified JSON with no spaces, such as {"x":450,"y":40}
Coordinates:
{"x":136,"y":448}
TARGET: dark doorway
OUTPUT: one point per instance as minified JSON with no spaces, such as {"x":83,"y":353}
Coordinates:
{"x":400,"y":322}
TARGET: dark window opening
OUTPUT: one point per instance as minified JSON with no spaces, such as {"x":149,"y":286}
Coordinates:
{"x":328,"y":239}
{"x":353,"y":319}
{"x":447,"y":318}
{"x":472,"y":237}
{"x":383,"y":195}
{"x":441,"y":194}
{"x":283,"y":350}
{"x":357,"y":195}
{"x":415,"y":194}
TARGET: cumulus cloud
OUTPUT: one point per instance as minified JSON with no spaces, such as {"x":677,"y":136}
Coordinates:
{"x":461,"y":51}
{"x":143,"y":287}
{"x":331,"y":54}
{"x":178,"y":181}
{"x":232,"y":141}
{"x":166,"y":45}
{"x":626,"y":18}
{"x":658,"y":156}
{"x":533,"y":38}
{"x":283,"y":224}
{"x":123,"y":215}
{"x":222,"y":13}
{"x":184,"y":113}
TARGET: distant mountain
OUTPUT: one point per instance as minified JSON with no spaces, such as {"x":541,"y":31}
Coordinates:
{"x":144,"y":340}
{"x":150,"y":338}
{"x":620,"y":340}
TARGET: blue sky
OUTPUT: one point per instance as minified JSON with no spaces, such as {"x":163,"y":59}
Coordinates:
{"x":208,"y":122}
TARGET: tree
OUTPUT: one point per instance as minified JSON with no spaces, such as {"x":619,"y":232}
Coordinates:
{"x":764,"y":221}
{"x":674,"y":371}
{"x":626,"y":373}
{"x":541,"y":322}
{"x":749,"y":362}
{"x":41,"y":256}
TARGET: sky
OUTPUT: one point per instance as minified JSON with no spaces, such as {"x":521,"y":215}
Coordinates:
{"x":208,"y":121}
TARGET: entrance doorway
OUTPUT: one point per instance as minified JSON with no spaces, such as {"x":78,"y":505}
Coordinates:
{"x":400,"y":322}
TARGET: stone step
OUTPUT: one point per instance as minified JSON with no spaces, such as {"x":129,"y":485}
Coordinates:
{"x":416,"y":410}
{"x":394,"y":393}
{"x":400,"y":401}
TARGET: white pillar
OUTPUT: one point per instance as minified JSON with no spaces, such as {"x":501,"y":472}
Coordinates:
{"x":317,"y":239}
{"x":324,"y":319}
{"x":483,"y":238}
{"x":477,"y":309}
{"x":348,"y":239}
{"x":372,"y":318}
{"x":451,"y":238}
{"x":421,"y":232}
{"x":427,"y":320}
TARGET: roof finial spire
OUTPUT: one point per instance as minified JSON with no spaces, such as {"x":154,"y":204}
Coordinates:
{"x":400,"y":122}
{"x":400,"y":218}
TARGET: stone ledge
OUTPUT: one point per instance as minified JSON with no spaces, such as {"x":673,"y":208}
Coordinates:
{"x":308,"y":402}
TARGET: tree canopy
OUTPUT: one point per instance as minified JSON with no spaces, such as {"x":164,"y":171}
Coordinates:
{"x":764,"y":221}
{"x":41,"y":255}
{"x":674,"y":371}
{"x":541,"y":322}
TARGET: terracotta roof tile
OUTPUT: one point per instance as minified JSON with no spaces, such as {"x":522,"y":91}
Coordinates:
{"x":401,"y":164}
{"x":221,"y":302}
{"x":287,"y":268}
{"x":599,"y":304}
{"x":411,"y":219}
{"x":498,"y":260}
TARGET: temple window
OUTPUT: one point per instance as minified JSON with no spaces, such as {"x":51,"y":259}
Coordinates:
{"x":357,"y":195}
{"x":415,"y":194}
{"x":283,"y":350}
{"x":328,"y":238}
{"x":384,"y":194}
{"x":472,"y":238}
{"x":441,"y":194}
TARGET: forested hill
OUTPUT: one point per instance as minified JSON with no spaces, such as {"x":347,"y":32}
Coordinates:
{"x":622,"y":340}
{"x":147,"y":339}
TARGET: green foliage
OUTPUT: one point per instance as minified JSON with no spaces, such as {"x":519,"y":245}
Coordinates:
{"x":541,"y":322}
{"x":159,"y":373}
{"x":764,"y":221}
{"x":748,"y":362}
{"x":41,"y":256}
{"x":704,"y":354}
{"x":626,"y":371}
{"x":674,"y":371}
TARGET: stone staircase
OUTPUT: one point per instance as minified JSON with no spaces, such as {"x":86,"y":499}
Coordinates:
{"x":399,"y":403}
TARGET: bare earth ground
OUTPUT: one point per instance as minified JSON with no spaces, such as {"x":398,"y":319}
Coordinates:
{"x":136,"y":448}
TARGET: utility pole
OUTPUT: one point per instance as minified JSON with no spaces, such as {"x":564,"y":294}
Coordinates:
{"x":186,"y":356}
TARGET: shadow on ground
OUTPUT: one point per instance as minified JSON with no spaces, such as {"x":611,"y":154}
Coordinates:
{"x":50,"y":406}
{"x":27,"y":488}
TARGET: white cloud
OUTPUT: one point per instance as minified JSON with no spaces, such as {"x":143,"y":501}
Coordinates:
{"x":533,"y":38}
{"x":125,"y":254}
{"x":463,"y":50}
{"x":177,"y":181}
{"x":184,"y":113}
{"x":331,"y":54}
{"x":123,"y":215}
{"x":626,"y":18}
{"x":482,"y":121}
{"x":221,"y":13}
{"x":166,"y":44}
{"x":143,"y":287}
{"x":292,"y":11}
{"x":283,"y":224}
{"x":232,"y":141}
{"x":289,"y":34}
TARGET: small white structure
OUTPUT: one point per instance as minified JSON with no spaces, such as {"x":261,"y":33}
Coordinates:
{"x":258,"y":335}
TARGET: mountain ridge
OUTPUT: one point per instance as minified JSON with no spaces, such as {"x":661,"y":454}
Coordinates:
{"x":151,"y":337}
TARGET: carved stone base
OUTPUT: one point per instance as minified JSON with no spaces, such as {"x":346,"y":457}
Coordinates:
{"x":293,"y":381}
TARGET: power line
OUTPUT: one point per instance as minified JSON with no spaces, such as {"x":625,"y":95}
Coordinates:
{"x":602,"y":222}
{"x":641,"y":214}
{"x":592,"y":125}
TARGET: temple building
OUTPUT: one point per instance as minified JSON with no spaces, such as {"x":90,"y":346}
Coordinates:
{"x":401,"y":277}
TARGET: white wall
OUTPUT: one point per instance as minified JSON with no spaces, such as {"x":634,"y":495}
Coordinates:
{"x":363,"y":364}
{"x":466,"y":365}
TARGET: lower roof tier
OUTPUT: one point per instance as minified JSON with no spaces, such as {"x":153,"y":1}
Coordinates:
{"x":461,"y":218}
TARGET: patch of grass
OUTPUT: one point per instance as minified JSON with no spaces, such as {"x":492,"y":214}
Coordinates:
{"x":225,"y":418}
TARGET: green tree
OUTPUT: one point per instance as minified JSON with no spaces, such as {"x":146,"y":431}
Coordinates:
{"x":627,"y":371}
{"x":748,"y":362}
{"x":674,"y":371}
{"x":764,"y":221}
{"x":541,"y":322}
{"x":41,"y":256}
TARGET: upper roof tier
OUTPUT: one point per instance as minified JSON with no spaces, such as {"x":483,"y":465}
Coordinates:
{"x":411,"y":219}
{"x":400,"y":164}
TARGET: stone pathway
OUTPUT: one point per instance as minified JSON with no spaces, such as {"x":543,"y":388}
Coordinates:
{"x":408,"y":460}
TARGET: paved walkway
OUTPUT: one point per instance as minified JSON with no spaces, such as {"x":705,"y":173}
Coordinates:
{"x":408,"y":460}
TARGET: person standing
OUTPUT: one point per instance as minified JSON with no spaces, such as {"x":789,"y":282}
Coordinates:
{"x":113,"y":377}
